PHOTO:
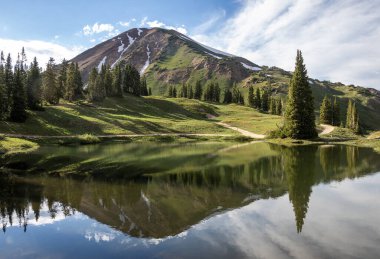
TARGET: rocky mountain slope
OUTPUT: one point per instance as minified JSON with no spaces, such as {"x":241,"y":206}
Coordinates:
{"x":167,"y":57}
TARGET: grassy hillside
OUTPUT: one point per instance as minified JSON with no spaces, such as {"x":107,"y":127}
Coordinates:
{"x":144,"y":115}
{"x":368,"y":102}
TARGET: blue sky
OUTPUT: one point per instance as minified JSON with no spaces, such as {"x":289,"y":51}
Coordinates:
{"x":339,"y":38}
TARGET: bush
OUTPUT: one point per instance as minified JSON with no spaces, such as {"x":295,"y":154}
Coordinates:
{"x":2,"y":136}
{"x":88,"y":139}
{"x":278,"y":133}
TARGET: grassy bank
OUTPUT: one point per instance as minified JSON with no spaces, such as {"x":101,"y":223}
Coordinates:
{"x":338,"y":136}
{"x":16,"y":145}
{"x":145,"y":115}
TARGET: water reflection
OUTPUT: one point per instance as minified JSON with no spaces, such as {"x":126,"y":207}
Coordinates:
{"x":160,"y":201}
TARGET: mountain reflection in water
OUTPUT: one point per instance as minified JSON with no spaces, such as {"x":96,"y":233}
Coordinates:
{"x":176,"y":195}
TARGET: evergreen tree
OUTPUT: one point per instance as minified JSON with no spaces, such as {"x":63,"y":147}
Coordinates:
{"x":69,"y":85}
{"x":190,"y":93}
{"x":3,"y":97}
{"x":174,"y":92}
{"x":150,"y":91}
{"x":265,"y":101}
{"x":92,"y":83}
{"x":236,"y":95}
{"x":208,"y":94}
{"x":326,"y":112}
{"x":227,"y":96}
{"x":144,"y":88}
{"x":352,"y":119}
{"x":100,"y":90}
{"x":336,"y":113}
{"x":18,"y":108}
{"x":50,"y":86}
{"x":118,"y":83}
{"x":241,"y":98}
{"x":198,"y":90}
{"x":258,"y":98}
{"x":279,"y":107}
{"x":170,"y":91}
{"x":96,"y":87}
{"x":131,"y":80}
{"x":108,"y":81}
{"x":8,"y":80}
{"x":78,"y":93}
{"x":183,"y":91}
{"x":33,"y":86}
{"x":299,"y":115}
{"x":273,"y":105}
{"x":251,"y":97}
{"x":62,"y":77}
{"x":216,"y":93}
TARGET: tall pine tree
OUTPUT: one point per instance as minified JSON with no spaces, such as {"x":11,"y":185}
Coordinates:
{"x":198,"y":90}
{"x":265,"y":101}
{"x":18,"y":107}
{"x":299,"y":115}
{"x":336,"y":113}
{"x":227,"y":96}
{"x":9,"y":83}
{"x":34,"y":86}
{"x":326,"y":111}
{"x":257,"y":99}
{"x":144,"y":87}
{"x":251,"y":97}
{"x":352,"y":118}
{"x":50,"y":84}
{"x":3,"y":97}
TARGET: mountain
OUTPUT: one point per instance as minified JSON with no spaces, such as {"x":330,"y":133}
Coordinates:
{"x":167,"y":57}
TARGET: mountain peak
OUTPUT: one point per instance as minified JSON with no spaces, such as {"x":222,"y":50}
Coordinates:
{"x":155,"y":49}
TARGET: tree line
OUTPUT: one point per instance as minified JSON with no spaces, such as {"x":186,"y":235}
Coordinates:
{"x":330,"y":114}
{"x":25,"y":86}
{"x":260,"y":99}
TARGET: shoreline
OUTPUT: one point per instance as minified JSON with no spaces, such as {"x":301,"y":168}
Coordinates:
{"x":17,"y":143}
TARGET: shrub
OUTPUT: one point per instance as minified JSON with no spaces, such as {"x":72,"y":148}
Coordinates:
{"x":278,"y":133}
{"x":88,"y":139}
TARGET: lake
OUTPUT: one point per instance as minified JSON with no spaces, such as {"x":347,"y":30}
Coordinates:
{"x":206,"y":200}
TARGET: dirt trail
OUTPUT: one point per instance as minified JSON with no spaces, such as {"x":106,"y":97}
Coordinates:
{"x":241,"y":131}
{"x":326,"y":129}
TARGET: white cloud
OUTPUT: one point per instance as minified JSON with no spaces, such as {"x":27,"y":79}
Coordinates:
{"x":210,"y":23}
{"x":155,"y":23}
{"x":143,"y":21}
{"x":124,"y":24}
{"x":97,"y":28}
{"x":43,"y":50}
{"x":339,"y":39}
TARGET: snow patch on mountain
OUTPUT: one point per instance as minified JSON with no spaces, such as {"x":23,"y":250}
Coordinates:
{"x":139,"y":31}
{"x":121,"y":47}
{"x":130,"y":42}
{"x":250,"y":67}
{"x":101,"y":63}
{"x":146,"y":62}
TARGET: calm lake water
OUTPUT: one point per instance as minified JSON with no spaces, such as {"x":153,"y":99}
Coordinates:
{"x":191,"y":201}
